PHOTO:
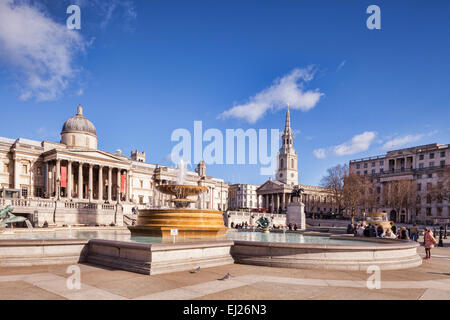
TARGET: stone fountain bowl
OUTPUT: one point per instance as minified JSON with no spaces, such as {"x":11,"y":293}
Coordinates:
{"x":181,"y":191}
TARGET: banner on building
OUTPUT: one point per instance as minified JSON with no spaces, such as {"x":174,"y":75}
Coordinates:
{"x":122,"y":184}
{"x":64,"y":177}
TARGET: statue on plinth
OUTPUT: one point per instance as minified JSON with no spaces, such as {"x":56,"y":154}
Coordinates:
{"x":296,"y":210}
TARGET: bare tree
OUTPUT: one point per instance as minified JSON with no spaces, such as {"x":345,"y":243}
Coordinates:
{"x":370,"y":198}
{"x":352,"y":193}
{"x":334,"y":181}
{"x":401,"y":194}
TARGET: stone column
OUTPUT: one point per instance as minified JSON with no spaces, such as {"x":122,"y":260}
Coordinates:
{"x":16,"y":175}
{"x":46,"y":182}
{"x":118,"y":185}
{"x":58,"y":179}
{"x":129,"y":185}
{"x":91,"y":183}
{"x":271,"y":203}
{"x":109,"y":184}
{"x":80,"y":181}
{"x":100,"y":183}
{"x":69,"y":179}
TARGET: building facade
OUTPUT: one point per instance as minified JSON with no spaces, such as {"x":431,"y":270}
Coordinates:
{"x":243,"y":197}
{"x":426,"y":166}
{"x":73,"y":182}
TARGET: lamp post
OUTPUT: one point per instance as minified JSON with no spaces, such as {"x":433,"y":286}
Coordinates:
{"x":58,"y":183}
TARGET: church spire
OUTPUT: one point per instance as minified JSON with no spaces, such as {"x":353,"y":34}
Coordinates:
{"x":287,"y":126}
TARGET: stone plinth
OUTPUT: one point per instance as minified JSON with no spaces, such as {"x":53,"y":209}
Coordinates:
{"x":296,"y":215}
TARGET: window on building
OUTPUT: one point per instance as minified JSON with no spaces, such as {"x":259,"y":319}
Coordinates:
{"x":24,"y":169}
{"x":442,"y":154}
{"x":428,"y":198}
{"x":365,"y":171}
{"x":358,"y":166}
{"x":431,"y":164}
{"x":365,"y":165}
{"x":141,"y":199}
{"x":442,"y":163}
{"x":430,"y":175}
{"x":141,"y":183}
{"x":292,"y":163}
{"x":281,"y":163}
{"x":24,"y":192}
{"x":358,"y":173}
{"x":420,"y":165}
{"x":73,"y":140}
{"x":373,"y":164}
{"x":439,"y":211}
{"x":419,"y":187}
{"x":432,"y":155}
{"x":373,"y":171}
{"x":39,"y":192}
{"x":428,"y":211}
{"x":420,"y":156}
{"x":381,"y":163}
{"x":381,"y":170}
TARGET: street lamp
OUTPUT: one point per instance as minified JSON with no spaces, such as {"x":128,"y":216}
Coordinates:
{"x":58,"y":183}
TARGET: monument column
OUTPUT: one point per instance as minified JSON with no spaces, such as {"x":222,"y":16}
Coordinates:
{"x":100,"y":183}
{"x":69,"y":179}
{"x":80,"y":181}
{"x":91,"y":183}
{"x":109,"y":184}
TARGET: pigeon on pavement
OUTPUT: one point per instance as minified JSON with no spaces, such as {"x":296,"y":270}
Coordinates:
{"x":196,"y":270}
{"x":227,"y":276}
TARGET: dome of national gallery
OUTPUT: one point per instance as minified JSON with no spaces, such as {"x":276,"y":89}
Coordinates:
{"x":79,"y":123}
{"x":79,"y":132}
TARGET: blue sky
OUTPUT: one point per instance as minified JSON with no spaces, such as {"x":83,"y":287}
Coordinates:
{"x":142,"y":69}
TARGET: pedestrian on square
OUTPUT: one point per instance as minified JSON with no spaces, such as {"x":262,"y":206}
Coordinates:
{"x":380,"y":231}
{"x":403,"y":234}
{"x":429,"y":242}
{"x":389,"y":234}
{"x":414,"y":232}
{"x":393,"y":228}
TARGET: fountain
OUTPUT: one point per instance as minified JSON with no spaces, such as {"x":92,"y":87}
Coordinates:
{"x":189,"y":222}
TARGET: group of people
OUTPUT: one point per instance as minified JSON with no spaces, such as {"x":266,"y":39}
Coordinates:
{"x":243,"y":225}
{"x":392,"y":232}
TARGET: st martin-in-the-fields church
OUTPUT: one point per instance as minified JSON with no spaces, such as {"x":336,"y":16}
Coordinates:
{"x":275,"y":194}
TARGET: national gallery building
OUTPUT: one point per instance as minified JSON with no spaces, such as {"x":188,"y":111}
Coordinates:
{"x":74,"y":183}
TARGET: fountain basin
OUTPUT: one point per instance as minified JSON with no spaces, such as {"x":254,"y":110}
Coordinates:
{"x":189,"y":223}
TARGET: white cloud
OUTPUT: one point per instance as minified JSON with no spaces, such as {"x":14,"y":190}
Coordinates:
{"x":341,"y":65}
{"x":39,"y":50}
{"x":358,"y":143}
{"x":320,"y":153}
{"x":400,"y":141}
{"x":286,"y":90}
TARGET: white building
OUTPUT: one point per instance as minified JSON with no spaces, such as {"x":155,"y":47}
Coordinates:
{"x":243,"y":197}
{"x":426,"y":165}
{"x":73,"y":182}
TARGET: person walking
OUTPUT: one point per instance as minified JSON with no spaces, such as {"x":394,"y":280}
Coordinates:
{"x":414,"y":232}
{"x":429,"y":242}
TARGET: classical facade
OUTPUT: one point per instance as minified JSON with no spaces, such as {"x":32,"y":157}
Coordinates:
{"x":275,"y":195}
{"x":243,"y":197}
{"x":426,"y":165}
{"x":72,"y":182}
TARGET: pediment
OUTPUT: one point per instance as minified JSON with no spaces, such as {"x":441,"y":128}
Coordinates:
{"x":270,"y":185}
{"x":97,"y":154}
